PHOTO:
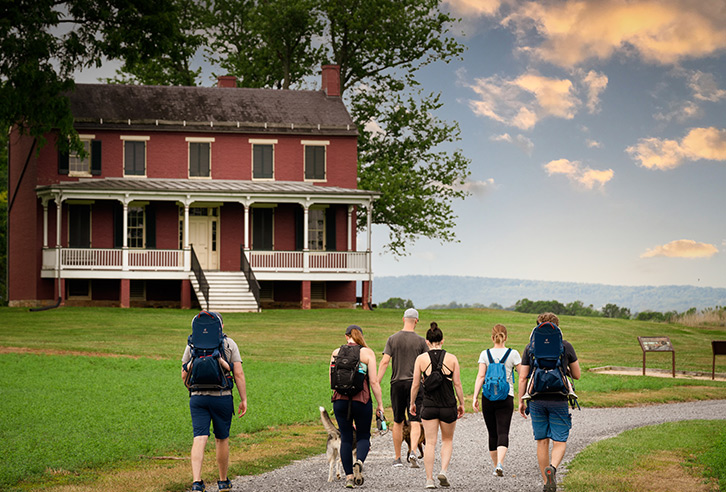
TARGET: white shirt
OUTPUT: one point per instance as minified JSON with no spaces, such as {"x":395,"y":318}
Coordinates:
{"x":513,"y":360}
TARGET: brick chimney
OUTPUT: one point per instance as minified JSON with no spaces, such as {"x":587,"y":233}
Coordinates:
{"x":331,"y":80}
{"x":226,"y":81}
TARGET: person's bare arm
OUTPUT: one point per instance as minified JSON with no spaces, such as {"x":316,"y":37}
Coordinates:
{"x":239,"y":379}
{"x":383,"y":366}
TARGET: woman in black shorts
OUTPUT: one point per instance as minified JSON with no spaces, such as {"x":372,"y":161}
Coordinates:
{"x":439,"y":404}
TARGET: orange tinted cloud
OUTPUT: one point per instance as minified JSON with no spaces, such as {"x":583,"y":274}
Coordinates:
{"x":577,"y":173}
{"x":699,"y":143}
{"x":682,"y":248}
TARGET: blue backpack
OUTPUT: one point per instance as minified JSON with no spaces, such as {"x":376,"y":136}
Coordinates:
{"x":206,"y":344}
{"x":495,"y":386}
{"x":548,"y":368}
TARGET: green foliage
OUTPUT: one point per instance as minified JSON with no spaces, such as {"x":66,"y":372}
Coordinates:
{"x":613,"y":311}
{"x":396,"y":303}
{"x":714,"y":459}
{"x":43,"y":42}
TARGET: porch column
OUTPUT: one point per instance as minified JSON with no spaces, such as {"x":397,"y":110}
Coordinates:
{"x":125,"y":240}
{"x":186,"y":294}
{"x":185,"y":238}
{"x":60,"y":285}
{"x":305,"y":294}
{"x":247,"y":226}
{"x":45,"y":223}
{"x":367,"y":296}
{"x":125,"y":293}
{"x":306,"y":251}
{"x":350,"y":228}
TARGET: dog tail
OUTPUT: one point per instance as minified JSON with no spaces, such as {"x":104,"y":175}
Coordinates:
{"x":328,"y":424}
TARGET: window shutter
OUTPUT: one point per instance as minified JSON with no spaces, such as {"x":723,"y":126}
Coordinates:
{"x":150,"y":212}
{"x":96,"y":157}
{"x":204,"y":159}
{"x":267,"y":161}
{"x":309,"y":162}
{"x":193,"y":159}
{"x":128,"y":157}
{"x":139,"y":161}
{"x":319,"y":162}
{"x":330,"y":243}
{"x":62,"y":162}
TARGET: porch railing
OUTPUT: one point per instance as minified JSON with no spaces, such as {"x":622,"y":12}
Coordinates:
{"x":249,"y":274}
{"x":201,"y":279}
{"x":310,"y":261}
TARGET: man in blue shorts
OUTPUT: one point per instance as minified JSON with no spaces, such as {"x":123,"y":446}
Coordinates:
{"x":216,"y":407}
{"x":551,"y":420}
{"x":402,"y":348}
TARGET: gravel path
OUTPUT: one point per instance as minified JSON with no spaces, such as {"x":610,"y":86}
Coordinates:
{"x":470,"y":467}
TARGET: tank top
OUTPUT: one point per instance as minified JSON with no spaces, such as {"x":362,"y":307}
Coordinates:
{"x":443,"y":396}
{"x":364,"y":395}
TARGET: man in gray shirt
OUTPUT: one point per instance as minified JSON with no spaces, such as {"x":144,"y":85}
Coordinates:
{"x":402,"y":348}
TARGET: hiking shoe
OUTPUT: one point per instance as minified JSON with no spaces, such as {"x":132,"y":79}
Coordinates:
{"x":358,"y":472}
{"x":498,"y":471}
{"x":443,"y":479}
{"x":224,"y":485}
{"x":414,"y":462}
{"x":198,"y":486}
{"x":550,"y":479}
{"x":349,"y":484}
{"x":430,"y":484}
{"x":397,"y":462}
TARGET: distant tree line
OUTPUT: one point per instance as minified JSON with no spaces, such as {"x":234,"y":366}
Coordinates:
{"x":576,"y":308}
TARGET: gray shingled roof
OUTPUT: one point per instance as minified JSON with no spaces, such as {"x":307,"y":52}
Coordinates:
{"x":209,"y":109}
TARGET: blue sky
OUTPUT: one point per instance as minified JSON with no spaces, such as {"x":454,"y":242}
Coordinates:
{"x":597,"y":135}
{"x":596,"y":131}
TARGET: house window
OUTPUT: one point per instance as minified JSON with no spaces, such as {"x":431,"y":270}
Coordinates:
{"x":317,"y":291}
{"x":315,"y":162}
{"x":316,"y":229}
{"x":137,"y":290}
{"x":136,"y":227}
{"x":78,"y":288}
{"x":81,"y":166}
{"x":200,"y":153}
{"x":134,"y":157}
{"x":263,"y":162}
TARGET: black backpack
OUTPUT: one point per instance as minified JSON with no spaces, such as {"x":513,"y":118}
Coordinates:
{"x":433,"y":381}
{"x":549,"y":366}
{"x":206,"y":344}
{"x":345,"y":378}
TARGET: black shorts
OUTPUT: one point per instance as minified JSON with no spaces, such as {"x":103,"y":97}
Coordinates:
{"x":445,"y":414}
{"x":400,"y":402}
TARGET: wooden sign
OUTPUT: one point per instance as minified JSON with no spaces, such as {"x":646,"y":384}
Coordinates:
{"x":719,"y":348}
{"x":657,"y":344}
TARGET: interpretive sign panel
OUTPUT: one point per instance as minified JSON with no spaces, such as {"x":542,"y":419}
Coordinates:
{"x":657,"y":344}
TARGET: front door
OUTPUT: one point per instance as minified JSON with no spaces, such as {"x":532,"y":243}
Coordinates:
{"x":203,"y":236}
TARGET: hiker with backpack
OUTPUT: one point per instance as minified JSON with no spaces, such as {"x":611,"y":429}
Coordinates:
{"x":496,"y":382}
{"x":401,"y":351}
{"x":353,"y":378}
{"x":440,"y":373}
{"x":544,"y":391}
{"x":211,"y":364}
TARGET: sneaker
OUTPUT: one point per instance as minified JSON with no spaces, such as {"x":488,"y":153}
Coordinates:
{"x":358,"y":472}
{"x":224,"y":485}
{"x":526,"y":397}
{"x":443,"y":479}
{"x":198,"y":486}
{"x":550,"y":479}
{"x":413,"y":460}
{"x":430,"y":484}
{"x":498,"y":471}
{"x":349,"y":484}
{"x":397,"y":462}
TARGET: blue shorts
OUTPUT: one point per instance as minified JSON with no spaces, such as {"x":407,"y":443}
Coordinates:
{"x":218,"y":410}
{"x":551,"y":419}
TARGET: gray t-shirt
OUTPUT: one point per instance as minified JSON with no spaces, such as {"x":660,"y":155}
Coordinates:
{"x":231,"y":352}
{"x":403,"y":347}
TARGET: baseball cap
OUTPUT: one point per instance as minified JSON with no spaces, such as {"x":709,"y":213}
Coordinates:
{"x":350,"y":329}
{"x":411,"y":313}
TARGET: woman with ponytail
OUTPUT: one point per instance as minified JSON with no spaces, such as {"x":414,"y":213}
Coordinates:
{"x":497,"y":414}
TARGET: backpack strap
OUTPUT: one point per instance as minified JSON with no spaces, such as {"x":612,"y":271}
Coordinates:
{"x":489,"y":354}
{"x":504,"y":359}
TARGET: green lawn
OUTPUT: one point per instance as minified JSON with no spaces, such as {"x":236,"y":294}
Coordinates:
{"x":63,"y":412}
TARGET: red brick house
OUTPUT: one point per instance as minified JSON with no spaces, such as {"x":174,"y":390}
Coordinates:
{"x":234,"y":199}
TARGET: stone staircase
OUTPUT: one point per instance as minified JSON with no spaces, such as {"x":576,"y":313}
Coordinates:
{"x":228,"y":292}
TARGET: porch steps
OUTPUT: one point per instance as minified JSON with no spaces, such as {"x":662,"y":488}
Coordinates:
{"x":228,"y":292}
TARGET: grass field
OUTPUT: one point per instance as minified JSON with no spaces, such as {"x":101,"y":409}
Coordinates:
{"x":86,"y":392}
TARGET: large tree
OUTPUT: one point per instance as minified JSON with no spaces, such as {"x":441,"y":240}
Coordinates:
{"x":44,"y":42}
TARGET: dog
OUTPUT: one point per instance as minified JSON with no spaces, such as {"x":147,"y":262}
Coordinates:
{"x":332,"y":448}
{"x":407,"y":438}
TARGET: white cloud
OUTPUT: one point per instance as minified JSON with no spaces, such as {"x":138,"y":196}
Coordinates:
{"x":699,"y":143}
{"x":577,"y":173}
{"x":521,"y":102}
{"x":474,"y":7}
{"x":682,"y":248}
{"x":477,"y":188}
{"x":680,"y":111}
{"x":593,"y":144}
{"x":704,"y":87}
{"x":520,"y":141}
{"x":659,"y":31}
{"x":595,"y":84}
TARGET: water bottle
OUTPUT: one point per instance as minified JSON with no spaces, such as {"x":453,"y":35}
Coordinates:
{"x":381,"y":423}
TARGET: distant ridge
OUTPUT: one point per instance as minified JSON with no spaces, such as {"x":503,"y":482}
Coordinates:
{"x":426,"y":290}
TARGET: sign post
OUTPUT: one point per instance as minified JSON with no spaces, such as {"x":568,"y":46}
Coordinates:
{"x":658,"y":344}
{"x":719,"y":348}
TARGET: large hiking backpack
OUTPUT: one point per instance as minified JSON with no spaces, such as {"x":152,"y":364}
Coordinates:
{"x":496,"y":386}
{"x":206,"y":344}
{"x":549,"y":367}
{"x":345,"y":376}
{"x":434,"y":380}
